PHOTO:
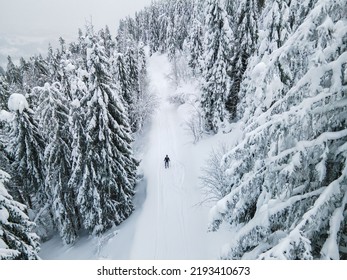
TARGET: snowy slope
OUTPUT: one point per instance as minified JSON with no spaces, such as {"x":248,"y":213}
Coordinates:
{"x":169,"y":222}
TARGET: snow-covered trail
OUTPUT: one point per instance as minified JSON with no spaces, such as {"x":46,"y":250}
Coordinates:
{"x":163,"y":227}
{"x":171,"y":225}
{"x":168,"y":222}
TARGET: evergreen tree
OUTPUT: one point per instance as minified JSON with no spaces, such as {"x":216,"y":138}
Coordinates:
{"x":131,"y":63}
{"x":107,"y":184}
{"x":123,"y":81}
{"x":13,"y":75}
{"x":26,"y":147}
{"x":108,"y":43}
{"x":146,"y":101}
{"x":17,"y":241}
{"x":216,"y":62}
{"x":4,"y":93}
{"x":244,"y":44}
{"x":287,"y":176}
{"x":196,"y":47}
{"x":39,"y":73}
{"x":171,"y":40}
{"x":142,"y":68}
{"x":277,"y":28}
{"x":181,"y":21}
{"x":154,"y":29}
{"x":53,"y":114}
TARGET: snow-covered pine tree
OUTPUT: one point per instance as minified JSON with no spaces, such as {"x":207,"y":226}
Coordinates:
{"x":179,"y":23}
{"x":4,"y":92}
{"x":146,"y":100}
{"x":36,"y":72}
{"x":24,"y":68}
{"x":108,"y":43}
{"x":13,"y":75}
{"x":131,"y":64}
{"x":288,"y":175}
{"x":78,"y":51}
{"x":142,"y":67}
{"x":195,"y":45}
{"x":61,"y":68}
{"x":142,"y":23}
{"x":215,"y":68}
{"x":277,"y":28}
{"x":53,"y":113}
{"x":77,"y":131}
{"x":108,"y":172}
{"x":53,"y":64}
{"x":170,"y":45}
{"x":17,"y":241}
{"x":26,"y":147}
{"x":245,"y":36}
{"x":39,"y":73}
{"x":122,"y":79}
{"x":275,"y":31}
{"x":154,"y":29}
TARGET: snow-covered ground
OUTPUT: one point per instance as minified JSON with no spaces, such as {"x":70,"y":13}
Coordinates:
{"x":169,"y":221}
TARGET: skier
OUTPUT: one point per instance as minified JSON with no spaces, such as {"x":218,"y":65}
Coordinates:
{"x":166,"y":161}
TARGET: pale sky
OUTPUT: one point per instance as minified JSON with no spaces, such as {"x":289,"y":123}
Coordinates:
{"x":27,"y":26}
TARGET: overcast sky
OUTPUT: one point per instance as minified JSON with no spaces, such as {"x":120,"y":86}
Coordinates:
{"x":27,"y":26}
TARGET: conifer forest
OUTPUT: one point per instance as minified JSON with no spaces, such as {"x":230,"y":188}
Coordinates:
{"x":247,"y":97}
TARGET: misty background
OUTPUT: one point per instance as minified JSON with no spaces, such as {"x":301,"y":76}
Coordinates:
{"x":28,"y":26}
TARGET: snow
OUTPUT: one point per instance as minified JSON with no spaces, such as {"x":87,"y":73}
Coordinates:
{"x":5,"y":116}
{"x":4,"y":215}
{"x":17,"y":102}
{"x":259,"y":69}
{"x":76,"y":103}
{"x":169,"y":221}
{"x":3,"y":245}
{"x":70,"y":67}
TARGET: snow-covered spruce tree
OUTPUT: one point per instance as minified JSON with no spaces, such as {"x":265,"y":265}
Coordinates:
{"x":179,"y":24}
{"x":131,"y":64}
{"x":170,"y":39}
{"x":38,"y":73}
{"x":216,"y":62}
{"x":108,"y":42}
{"x":276,"y":26}
{"x":244,"y":40}
{"x":35,"y":73}
{"x":17,"y":241}
{"x":26,"y":148}
{"x":154,"y":28}
{"x":142,"y":68}
{"x":78,"y":51}
{"x":77,"y":131}
{"x":53,"y":113}
{"x":195,"y":45}
{"x":4,"y":92}
{"x":288,"y":176}
{"x":146,"y":101}
{"x":142,"y":23}
{"x":13,"y":75}
{"x":108,"y":172}
{"x":121,"y":74}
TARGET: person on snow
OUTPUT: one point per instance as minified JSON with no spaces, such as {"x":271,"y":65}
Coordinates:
{"x":167,"y":161}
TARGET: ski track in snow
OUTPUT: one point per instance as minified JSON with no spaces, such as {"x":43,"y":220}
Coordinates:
{"x":166,"y":223}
